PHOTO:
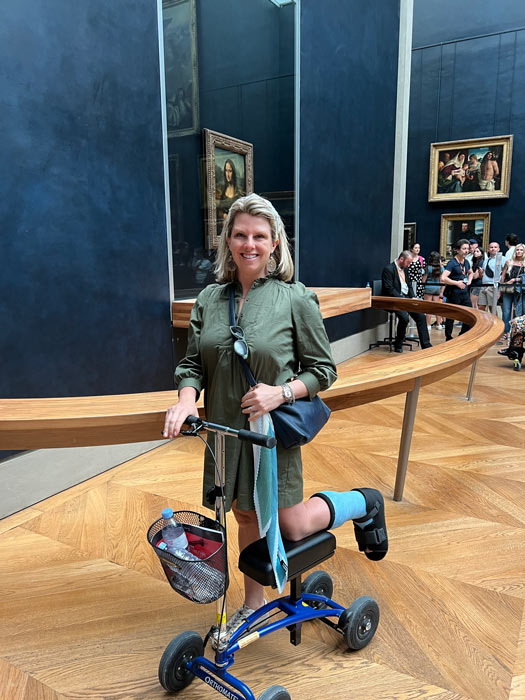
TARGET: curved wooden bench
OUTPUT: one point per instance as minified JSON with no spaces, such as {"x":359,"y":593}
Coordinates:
{"x":333,"y":301}
{"x":360,"y":383}
{"x":105,"y":420}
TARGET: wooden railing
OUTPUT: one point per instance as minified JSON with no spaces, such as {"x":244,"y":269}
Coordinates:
{"x":333,"y":301}
{"x":103,"y":420}
{"x":360,"y":383}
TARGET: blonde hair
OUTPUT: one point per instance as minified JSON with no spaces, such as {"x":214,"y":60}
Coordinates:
{"x":522,"y":245}
{"x":225,"y":268}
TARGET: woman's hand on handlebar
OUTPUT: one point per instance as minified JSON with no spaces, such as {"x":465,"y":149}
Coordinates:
{"x":176,"y":415}
{"x":261,"y":399}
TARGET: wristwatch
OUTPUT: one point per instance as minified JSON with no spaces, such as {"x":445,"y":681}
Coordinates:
{"x":288,"y":395}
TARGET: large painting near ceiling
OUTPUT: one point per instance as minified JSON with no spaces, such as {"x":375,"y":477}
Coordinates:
{"x":180,"y":64}
{"x":475,"y":169}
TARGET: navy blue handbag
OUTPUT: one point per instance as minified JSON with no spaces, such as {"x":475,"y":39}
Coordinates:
{"x":296,"y":423}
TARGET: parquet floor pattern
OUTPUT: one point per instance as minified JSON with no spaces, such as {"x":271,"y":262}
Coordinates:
{"x":85,"y":611}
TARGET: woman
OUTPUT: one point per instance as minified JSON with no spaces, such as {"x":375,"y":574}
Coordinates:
{"x":288,"y":351}
{"x":511,"y":274}
{"x":452,"y":175}
{"x":457,"y":276}
{"x":415,"y":270}
{"x":226,"y":193}
{"x":433,"y":288}
{"x":478,"y":260}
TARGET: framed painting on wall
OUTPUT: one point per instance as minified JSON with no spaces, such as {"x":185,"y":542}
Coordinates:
{"x":457,"y":226}
{"x":409,"y":235}
{"x":475,"y":169}
{"x":180,"y":67}
{"x":229,"y":175}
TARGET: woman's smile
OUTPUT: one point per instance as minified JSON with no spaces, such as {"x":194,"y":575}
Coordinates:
{"x":251,"y":245}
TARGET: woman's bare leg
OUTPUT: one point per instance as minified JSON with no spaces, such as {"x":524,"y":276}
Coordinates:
{"x":295,"y":522}
{"x":248,"y":533}
{"x":300,"y":521}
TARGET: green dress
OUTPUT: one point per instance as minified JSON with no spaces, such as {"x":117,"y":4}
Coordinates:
{"x":286,"y":339}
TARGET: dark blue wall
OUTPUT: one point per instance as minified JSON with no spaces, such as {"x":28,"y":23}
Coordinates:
{"x":449,"y":20}
{"x":462,"y":90}
{"x":84,"y":286}
{"x":349,"y":53}
{"x":246,"y":90}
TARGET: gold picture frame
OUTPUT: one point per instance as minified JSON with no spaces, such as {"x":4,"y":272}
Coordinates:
{"x":229,"y":166}
{"x":409,"y":235}
{"x":470,"y":169}
{"x":456,"y":226}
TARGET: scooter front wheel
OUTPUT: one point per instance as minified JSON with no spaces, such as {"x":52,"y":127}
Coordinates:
{"x":275,"y":692}
{"x":173,"y":667}
{"x":360,"y":622}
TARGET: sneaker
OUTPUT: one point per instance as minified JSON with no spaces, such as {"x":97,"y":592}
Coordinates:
{"x":439,"y":327}
{"x":239,"y":617}
{"x":429,"y":328}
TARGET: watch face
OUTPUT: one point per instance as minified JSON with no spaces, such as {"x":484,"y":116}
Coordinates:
{"x":287,"y":393}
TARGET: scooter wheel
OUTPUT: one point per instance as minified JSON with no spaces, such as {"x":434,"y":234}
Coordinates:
{"x":360,"y":622}
{"x":517,"y":365}
{"x":275,"y":692}
{"x":173,"y":667}
{"x":320,"y":583}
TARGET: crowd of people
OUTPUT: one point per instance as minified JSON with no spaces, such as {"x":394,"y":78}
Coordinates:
{"x":466,"y":279}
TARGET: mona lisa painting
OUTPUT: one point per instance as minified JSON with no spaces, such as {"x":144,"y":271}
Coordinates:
{"x":229,"y":175}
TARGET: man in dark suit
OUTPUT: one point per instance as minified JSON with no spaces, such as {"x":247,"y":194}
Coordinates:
{"x":395,"y":284}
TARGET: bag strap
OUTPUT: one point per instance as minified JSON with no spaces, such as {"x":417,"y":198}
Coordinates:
{"x":247,"y":371}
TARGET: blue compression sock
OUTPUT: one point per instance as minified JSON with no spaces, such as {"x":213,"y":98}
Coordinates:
{"x":344,"y":505}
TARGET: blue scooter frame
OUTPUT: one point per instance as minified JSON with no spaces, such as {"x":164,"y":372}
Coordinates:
{"x":297,"y":612}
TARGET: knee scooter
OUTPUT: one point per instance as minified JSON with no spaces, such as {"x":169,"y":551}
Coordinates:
{"x":183,"y":659}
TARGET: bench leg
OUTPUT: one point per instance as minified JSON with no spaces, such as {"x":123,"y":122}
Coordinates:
{"x":406,"y":438}
{"x":471,"y":380}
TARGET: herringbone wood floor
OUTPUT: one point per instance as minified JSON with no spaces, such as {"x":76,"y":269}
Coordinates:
{"x":86,"y":612}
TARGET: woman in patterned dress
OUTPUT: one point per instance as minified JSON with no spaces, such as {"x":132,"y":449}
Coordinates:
{"x":416,"y":270}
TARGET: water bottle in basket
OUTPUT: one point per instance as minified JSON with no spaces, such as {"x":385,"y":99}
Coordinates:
{"x":176,"y":543}
{"x":173,"y":533}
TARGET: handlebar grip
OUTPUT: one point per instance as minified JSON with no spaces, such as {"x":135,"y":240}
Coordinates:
{"x":258,"y":438}
{"x":191,"y":420}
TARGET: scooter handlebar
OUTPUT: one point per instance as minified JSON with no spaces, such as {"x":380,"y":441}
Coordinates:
{"x":267,"y":441}
{"x":258,"y":438}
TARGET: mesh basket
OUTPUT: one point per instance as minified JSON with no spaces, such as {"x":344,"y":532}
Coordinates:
{"x":204,"y":578}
